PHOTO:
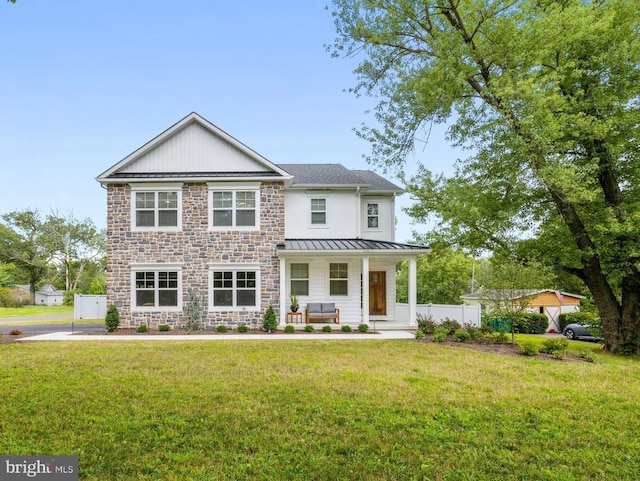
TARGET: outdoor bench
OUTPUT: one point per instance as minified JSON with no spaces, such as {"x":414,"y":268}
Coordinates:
{"x":322,"y":311}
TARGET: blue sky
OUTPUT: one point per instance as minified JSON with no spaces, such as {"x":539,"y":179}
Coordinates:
{"x":84,"y":83}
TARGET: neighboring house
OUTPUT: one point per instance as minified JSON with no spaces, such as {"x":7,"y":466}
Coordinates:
{"x":195,"y":209}
{"x":550,"y":302}
{"x":47,"y":295}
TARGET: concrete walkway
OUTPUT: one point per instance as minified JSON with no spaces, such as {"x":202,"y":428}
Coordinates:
{"x":378,"y":336}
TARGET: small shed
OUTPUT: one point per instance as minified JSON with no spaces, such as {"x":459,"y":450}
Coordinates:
{"x":550,"y":302}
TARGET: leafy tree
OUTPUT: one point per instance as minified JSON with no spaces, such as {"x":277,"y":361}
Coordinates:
{"x":23,"y":243}
{"x":9,"y":275}
{"x":544,"y":93}
{"x":77,"y":244}
{"x":442,"y":277}
{"x":98,"y":284}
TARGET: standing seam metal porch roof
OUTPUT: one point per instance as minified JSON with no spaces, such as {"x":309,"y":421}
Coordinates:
{"x":342,"y":245}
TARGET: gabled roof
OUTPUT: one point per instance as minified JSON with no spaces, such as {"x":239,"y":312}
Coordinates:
{"x":350,"y":245}
{"x":337,"y":176}
{"x":513,"y":294}
{"x":45,"y":290}
{"x":174,"y":167}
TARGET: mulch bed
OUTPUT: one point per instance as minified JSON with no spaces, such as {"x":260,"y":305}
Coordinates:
{"x":125,"y":331}
{"x":8,"y":339}
{"x":508,"y":349}
{"x":512,"y":350}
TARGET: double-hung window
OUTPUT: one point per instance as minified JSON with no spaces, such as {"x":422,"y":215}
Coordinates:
{"x":234,"y":288}
{"x":373,"y":221}
{"x":156,"y":206}
{"x":300,"y":279}
{"x":156,"y":287}
{"x":318,"y":211}
{"x":339,"y":279}
{"x":234,"y":207}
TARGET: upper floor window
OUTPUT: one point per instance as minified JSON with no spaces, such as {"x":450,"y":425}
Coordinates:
{"x":318,"y":211}
{"x":300,"y":279}
{"x":156,"y":207}
{"x":373,"y":221}
{"x":234,"y":208}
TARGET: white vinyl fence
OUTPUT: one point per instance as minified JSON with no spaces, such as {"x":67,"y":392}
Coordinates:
{"x":463,"y":314}
{"x":89,"y":307}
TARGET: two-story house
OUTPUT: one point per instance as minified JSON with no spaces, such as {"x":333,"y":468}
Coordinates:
{"x":196,"y":211}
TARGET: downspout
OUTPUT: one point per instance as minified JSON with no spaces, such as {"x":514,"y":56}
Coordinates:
{"x":393,"y":217}
{"x":358,"y":214}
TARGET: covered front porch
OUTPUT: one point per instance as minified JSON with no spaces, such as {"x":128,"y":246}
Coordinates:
{"x":357,"y":276}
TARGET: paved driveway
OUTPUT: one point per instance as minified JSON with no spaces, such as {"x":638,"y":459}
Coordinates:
{"x":27,"y":325}
{"x":49,"y":328}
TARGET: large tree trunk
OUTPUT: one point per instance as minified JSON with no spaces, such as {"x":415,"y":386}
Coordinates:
{"x":32,"y":291}
{"x":620,"y":321}
{"x":628,"y":333}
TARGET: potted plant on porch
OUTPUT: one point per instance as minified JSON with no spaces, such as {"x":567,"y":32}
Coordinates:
{"x":294,"y":303}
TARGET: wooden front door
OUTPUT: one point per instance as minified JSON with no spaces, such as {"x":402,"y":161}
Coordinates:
{"x":377,"y":293}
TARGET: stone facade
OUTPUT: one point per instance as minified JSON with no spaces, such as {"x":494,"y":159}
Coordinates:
{"x":194,"y":248}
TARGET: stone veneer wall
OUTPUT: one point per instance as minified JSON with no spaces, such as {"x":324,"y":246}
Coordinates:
{"x":194,"y":247}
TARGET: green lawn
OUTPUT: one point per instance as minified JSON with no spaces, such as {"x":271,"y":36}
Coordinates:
{"x":321,"y":410}
{"x":34,"y":311}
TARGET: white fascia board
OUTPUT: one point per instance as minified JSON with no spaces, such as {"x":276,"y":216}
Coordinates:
{"x":385,"y":192}
{"x":348,"y":253}
{"x":132,"y":180}
{"x":327,"y":187}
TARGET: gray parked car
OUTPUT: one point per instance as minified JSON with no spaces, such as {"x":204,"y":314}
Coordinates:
{"x":580,"y":332}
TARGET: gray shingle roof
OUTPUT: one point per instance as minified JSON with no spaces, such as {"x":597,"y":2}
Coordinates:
{"x":376,"y":183}
{"x":345,"y":245}
{"x":337,"y":175}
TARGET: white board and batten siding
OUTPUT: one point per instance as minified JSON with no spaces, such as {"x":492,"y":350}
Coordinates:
{"x":341,"y":215}
{"x":386,"y":218}
{"x":350,"y":307}
{"x":346,"y":216}
{"x":462,"y":313}
{"x":319,"y":287}
{"x":194,"y":149}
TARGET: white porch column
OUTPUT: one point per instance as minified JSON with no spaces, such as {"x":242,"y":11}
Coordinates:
{"x":283,"y":292}
{"x":413,"y":291}
{"x":365,"y":290}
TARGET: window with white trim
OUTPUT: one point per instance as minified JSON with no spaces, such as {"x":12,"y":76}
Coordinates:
{"x":299,"y":279}
{"x":339,"y":279}
{"x":156,"y":207}
{"x":156,"y":287}
{"x":318,"y":211}
{"x":373,"y":221}
{"x":233,"y":289}
{"x":234,"y":207}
